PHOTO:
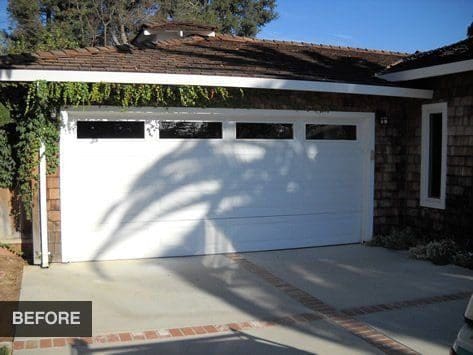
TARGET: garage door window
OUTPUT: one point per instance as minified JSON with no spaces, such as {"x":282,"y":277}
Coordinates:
{"x":189,"y":130}
{"x":110,"y":129}
{"x":330,"y":132}
{"x":264,"y":131}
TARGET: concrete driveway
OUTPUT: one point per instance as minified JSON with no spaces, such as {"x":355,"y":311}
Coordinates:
{"x":343,"y":299}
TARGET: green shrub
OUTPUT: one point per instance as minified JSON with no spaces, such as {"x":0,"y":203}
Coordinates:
{"x":464,"y":259}
{"x":5,"y":350}
{"x":419,"y":252}
{"x":7,"y":164}
{"x":398,"y":239}
{"x":439,"y":252}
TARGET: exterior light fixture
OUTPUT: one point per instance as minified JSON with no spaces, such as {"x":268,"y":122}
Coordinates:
{"x":382,"y":117}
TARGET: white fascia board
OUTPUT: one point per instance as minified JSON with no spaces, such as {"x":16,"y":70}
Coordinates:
{"x":428,"y":72}
{"x":23,"y":75}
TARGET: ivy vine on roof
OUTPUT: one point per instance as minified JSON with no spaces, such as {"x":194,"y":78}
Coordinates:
{"x":29,"y":115}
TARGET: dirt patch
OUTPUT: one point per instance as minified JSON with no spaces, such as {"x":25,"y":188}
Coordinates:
{"x":11,"y":271}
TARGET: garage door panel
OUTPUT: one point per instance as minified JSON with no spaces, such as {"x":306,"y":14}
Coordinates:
{"x":217,"y":236}
{"x":211,"y":203}
{"x":245,"y":182}
{"x":165,"y":197}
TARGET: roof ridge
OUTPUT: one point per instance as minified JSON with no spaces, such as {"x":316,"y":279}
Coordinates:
{"x":318,"y":45}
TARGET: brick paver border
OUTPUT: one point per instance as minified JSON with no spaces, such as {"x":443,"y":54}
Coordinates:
{"x":417,"y":302}
{"x":160,"y":334}
{"x":319,"y":311}
{"x":344,"y":318}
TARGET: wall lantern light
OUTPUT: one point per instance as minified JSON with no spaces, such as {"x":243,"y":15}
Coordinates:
{"x":381,"y":117}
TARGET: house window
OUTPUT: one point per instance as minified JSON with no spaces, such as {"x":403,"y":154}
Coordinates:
{"x":264,"y":130}
{"x":189,"y":130}
{"x":110,"y":129}
{"x":330,"y":132}
{"x":434,"y":155}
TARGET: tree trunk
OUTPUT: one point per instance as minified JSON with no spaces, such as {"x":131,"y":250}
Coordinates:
{"x":123,"y":35}
{"x":105,"y":29}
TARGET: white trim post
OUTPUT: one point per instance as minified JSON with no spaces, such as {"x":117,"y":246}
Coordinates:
{"x":43,"y":208}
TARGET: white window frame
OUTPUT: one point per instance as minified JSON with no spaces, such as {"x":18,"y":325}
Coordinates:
{"x":425,"y":199}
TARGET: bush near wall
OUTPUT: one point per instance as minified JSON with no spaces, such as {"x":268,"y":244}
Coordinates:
{"x":440,"y":252}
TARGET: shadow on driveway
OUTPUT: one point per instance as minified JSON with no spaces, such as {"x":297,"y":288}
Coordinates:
{"x":238,"y":343}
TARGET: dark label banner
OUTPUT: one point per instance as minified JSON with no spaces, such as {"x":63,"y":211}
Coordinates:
{"x":46,"y":319}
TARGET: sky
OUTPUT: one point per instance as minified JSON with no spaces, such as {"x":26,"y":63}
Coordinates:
{"x":399,"y":25}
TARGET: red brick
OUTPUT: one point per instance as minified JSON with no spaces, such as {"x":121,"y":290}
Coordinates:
{"x":18,"y":345}
{"x":113,"y":338}
{"x":31,"y":344}
{"x":138,"y":336}
{"x":175,"y":332}
{"x":199,"y":330}
{"x":187,"y":331}
{"x":45,"y":343}
{"x":124,"y":336}
{"x":150,"y":334}
{"x":210,"y":329}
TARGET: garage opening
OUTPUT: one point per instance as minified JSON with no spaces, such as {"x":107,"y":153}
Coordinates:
{"x":156,"y":183}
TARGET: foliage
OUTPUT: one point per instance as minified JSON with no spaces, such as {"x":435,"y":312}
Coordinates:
{"x":439,"y":252}
{"x":398,"y":239}
{"x":469,"y":31}
{"x":5,"y":117}
{"x":238,"y":17}
{"x":7,"y":164}
{"x":59,"y":24}
{"x":4,"y":350}
{"x":35,"y":111}
{"x":464,"y":259}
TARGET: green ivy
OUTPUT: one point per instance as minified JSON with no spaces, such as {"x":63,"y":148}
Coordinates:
{"x":7,"y":164}
{"x":34,"y":109}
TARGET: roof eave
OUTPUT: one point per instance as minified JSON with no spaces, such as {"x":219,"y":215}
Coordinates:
{"x":28,"y":75}
{"x":428,"y":72}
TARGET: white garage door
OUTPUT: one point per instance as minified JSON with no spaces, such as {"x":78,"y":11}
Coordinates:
{"x":142,"y":184}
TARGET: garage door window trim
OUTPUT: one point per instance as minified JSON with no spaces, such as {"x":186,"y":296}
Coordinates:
{"x":331,"y":132}
{"x":433,"y":155}
{"x":177,"y":129}
{"x":94,"y":129}
{"x":264,"y":130}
